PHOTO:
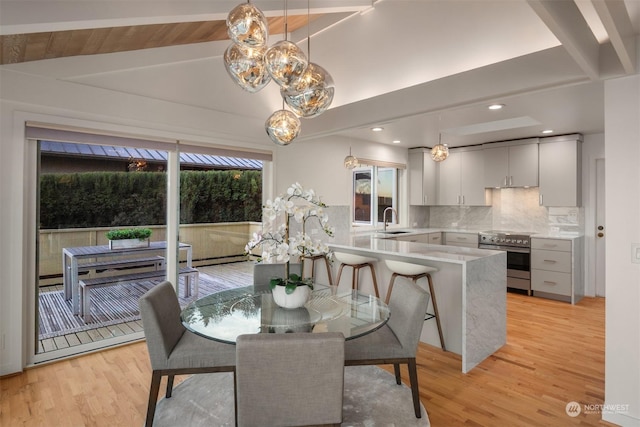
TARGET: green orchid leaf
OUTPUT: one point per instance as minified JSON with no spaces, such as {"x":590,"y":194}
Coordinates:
{"x":275,"y":282}
{"x":290,"y":288}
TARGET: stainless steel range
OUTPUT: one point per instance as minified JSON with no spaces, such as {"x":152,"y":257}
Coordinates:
{"x":518,"y":248}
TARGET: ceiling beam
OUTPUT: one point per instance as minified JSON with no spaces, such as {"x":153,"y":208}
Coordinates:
{"x":616,"y":21}
{"x":566,"y":22}
{"x":35,"y":16}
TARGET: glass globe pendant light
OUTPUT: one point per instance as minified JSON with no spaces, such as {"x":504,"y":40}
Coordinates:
{"x":350,"y":162}
{"x":247,"y":67}
{"x":440,"y":152}
{"x":247,"y":26}
{"x":285,"y":60}
{"x":312,"y":94}
{"x":244,"y":58}
{"x":282,"y":127}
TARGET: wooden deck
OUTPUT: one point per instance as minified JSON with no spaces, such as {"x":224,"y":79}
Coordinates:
{"x":240,"y":273}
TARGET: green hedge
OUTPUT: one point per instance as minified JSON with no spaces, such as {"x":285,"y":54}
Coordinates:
{"x":112,"y":199}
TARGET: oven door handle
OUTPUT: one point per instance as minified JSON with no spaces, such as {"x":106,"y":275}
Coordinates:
{"x":505,"y":248}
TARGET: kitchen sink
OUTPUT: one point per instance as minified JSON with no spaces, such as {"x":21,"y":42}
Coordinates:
{"x":394,"y":232}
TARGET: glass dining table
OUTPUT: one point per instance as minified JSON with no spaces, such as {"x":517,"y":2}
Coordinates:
{"x":225,"y":315}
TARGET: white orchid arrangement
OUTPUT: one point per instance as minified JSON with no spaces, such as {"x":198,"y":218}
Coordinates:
{"x":275,"y":240}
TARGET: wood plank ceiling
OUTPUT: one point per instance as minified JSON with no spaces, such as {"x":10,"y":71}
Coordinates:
{"x":16,"y":48}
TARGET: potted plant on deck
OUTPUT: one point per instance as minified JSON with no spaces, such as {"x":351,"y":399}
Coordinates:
{"x":279,"y":246}
{"x":126,"y":238}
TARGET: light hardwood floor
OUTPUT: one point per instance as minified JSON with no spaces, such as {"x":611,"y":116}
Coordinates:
{"x":554,"y":354}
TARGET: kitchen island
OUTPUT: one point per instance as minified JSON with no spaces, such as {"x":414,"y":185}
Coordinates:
{"x":470,"y":288}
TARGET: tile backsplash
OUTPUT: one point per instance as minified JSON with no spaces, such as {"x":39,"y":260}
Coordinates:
{"x":514,"y":209}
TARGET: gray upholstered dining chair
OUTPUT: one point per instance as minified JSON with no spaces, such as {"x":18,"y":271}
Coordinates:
{"x":397,"y":341}
{"x":263,"y":273}
{"x":174,"y":350}
{"x":289,"y":379}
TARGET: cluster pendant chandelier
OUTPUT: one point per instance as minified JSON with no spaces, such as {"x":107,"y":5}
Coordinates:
{"x":306,"y":88}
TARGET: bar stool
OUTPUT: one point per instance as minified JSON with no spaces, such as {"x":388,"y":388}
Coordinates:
{"x":415,"y":272}
{"x":356,"y":262}
{"x":326,"y":263}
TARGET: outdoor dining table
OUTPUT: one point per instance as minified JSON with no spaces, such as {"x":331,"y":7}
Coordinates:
{"x":72,"y":256}
{"x":225,"y":315}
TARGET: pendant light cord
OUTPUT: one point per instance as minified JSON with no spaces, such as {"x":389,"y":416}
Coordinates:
{"x":286,"y":20}
{"x":308,"y":31}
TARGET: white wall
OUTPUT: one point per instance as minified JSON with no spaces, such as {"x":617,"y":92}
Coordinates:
{"x":319,"y":164}
{"x":11,"y":247}
{"x":622,"y":187}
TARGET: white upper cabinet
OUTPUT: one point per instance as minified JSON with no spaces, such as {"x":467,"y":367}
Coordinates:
{"x":450,"y":175}
{"x":511,"y":165}
{"x":461,"y":179}
{"x":560,"y":171}
{"x":423,"y":173}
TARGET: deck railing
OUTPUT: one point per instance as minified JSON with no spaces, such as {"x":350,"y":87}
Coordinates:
{"x":212,"y":244}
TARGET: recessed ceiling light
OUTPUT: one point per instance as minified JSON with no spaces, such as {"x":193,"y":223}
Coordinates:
{"x":396,"y":141}
{"x":496,"y":106}
{"x":376,"y":129}
{"x":547,"y":131}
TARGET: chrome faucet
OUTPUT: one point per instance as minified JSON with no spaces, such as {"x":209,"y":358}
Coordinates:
{"x":384,"y":216}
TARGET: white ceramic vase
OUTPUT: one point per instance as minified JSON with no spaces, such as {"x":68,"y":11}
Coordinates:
{"x":296,"y":299}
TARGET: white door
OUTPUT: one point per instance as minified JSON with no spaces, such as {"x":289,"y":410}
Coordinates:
{"x":600,"y":230}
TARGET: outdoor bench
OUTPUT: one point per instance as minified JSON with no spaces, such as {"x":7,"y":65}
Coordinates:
{"x":154,"y":261}
{"x":99,"y":282}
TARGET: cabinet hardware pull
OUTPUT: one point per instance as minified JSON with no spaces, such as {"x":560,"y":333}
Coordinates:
{"x":463,"y":200}
{"x":540,"y":199}
{"x":547,"y":282}
{"x":510,"y":181}
{"x":550,"y":260}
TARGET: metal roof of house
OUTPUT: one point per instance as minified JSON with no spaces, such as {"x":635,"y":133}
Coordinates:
{"x":127,"y":153}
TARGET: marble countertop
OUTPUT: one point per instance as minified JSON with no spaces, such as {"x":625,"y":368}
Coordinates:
{"x":416,"y":231}
{"x":384,"y":244}
{"x":381,"y":244}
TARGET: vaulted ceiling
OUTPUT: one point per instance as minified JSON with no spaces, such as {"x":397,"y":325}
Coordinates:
{"x":415,"y":68}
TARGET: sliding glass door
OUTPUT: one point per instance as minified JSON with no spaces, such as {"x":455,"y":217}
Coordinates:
{"x":85,"y":190}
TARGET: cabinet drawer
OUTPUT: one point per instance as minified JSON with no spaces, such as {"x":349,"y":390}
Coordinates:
{"x":551,"y":282}
{"x":461,"y":239}
{"x":551,"y":244}
{"x":432,"y":238}
{"x":435,"y":238}
{"x":551,"y":261}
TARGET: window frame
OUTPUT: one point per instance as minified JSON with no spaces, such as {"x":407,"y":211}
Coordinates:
{"x":375,"y":170}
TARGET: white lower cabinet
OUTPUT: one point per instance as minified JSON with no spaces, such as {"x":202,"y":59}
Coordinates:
{"x":556,"y":269}
{"x":435,"y":238}
{"x":467,"y":240}
{"x":431,"y":238}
